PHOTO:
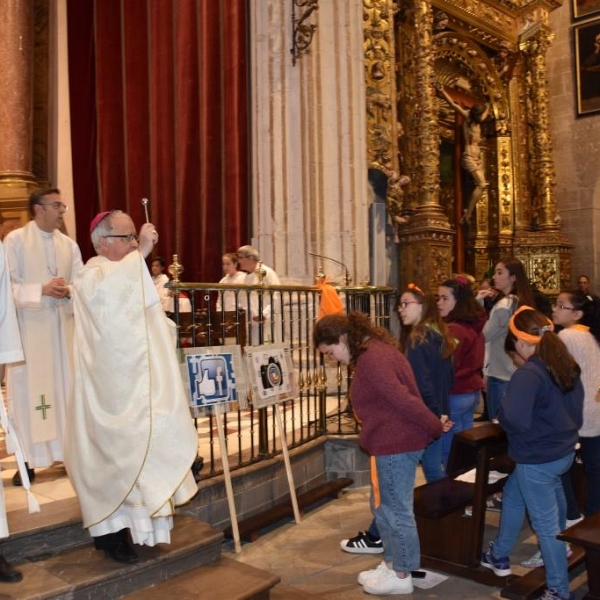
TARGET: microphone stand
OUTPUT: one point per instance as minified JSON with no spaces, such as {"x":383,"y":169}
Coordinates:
{"x":347,"y":278}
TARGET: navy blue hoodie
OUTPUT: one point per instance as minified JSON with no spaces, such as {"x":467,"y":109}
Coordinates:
{"x":540,"y":421}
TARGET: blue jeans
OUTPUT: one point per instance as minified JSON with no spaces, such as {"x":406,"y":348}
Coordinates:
{"x":462,"y":407}
{"x":432,"y":469}
{"x":537,"y":489}
{"x":495,"y":392}
{"x":432,"y":461}
{"x":395,"y":514}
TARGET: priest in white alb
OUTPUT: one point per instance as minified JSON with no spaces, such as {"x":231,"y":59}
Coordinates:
{"x":43,"y":262}
{"x":131,"y":440}
{"x":11,"y":352}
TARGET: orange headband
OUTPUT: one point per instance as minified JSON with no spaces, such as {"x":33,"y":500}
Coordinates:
{"x":523,"y":335}
{"x":413,"y":287}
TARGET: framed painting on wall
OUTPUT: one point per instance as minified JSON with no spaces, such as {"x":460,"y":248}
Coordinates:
{"x":585,"y":8}
{"x":586,"y":40}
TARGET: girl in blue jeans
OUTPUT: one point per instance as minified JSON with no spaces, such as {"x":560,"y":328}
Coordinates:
{"x":396,"y":427}
{"x":465,"y":320}
{"x":541,"y":413}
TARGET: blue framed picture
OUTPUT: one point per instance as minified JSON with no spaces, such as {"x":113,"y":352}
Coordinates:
{"x":215,"y":377}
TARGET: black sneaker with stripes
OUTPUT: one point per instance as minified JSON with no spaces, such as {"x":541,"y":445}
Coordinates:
{"x":363,"y":543}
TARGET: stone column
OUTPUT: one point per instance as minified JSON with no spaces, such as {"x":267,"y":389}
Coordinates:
{"x":16,"y":112}
{"x":309,"y":142}
{"x":16,"y":90}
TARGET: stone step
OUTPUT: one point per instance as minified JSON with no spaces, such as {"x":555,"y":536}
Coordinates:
{"x":83,"y":573}
{"x":38,"y":535}
{"x":226,"y":579}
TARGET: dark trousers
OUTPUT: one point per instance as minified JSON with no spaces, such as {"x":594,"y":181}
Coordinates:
{"x":590,"y":457}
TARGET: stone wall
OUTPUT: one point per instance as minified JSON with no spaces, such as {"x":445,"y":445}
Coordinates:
{"x":576,"y":143}
{"x":260,"y":486}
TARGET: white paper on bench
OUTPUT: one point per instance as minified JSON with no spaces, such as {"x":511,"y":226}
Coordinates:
{"x":469,"y":476}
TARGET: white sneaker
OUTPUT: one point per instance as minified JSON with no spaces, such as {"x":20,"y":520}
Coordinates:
{"x":365,"y":576}
{"x":389,"y":583}
{"x":571,"y":522}
{"x":536,"y":560}
{"x":533,"y":561}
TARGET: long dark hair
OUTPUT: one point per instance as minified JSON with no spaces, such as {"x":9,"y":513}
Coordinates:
{"x":561,"y":366}
{"x":430,"y":320}
{"x":358,"y":330}
{"x":521,"y":288}
{"x":466,"y":308}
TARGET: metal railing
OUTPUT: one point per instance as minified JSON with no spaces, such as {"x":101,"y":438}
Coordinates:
{"x":258,"y":315}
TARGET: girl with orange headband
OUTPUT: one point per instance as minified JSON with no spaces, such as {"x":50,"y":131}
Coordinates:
{"x":575,"y":312}
{"x":541,"y":412}
{"x":429,"y":347}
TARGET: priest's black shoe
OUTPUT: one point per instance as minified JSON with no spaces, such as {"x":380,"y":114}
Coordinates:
{"x":17,"y":476}
{"x":8,"y":573}
{"x":123,"y":553}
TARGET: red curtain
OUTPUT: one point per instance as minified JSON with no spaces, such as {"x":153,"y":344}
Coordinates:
{"x":159,"y":97}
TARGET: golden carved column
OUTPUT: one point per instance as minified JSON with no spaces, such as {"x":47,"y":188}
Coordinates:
{"x":16,"y":89}
{"x":539,"y":243}
{"x":380,"y":78}
{"x":426,"y":240}
{"x":427,"y":169}
{"x":543,"y":202}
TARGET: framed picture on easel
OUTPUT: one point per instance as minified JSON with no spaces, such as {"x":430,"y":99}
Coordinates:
{"x":586,"y":41}
{"x":215,"y":378}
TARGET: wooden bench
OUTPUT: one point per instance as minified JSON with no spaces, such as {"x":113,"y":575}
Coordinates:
{"x":251,"y":527}
{"x":585,"y":537}
{"x":451,"y":541}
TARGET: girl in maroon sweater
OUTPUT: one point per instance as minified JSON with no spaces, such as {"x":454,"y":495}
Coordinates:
{"x":465,"y":319}
{"x":396,"y":428}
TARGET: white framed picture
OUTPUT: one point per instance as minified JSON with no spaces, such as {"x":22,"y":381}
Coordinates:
{"x":270,"y":373}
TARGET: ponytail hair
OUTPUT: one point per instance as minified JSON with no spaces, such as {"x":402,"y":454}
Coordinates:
{"x":531,"y":326}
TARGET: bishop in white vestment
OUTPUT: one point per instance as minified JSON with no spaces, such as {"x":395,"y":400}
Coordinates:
{"x":43,"y":262}
{"x":131,"y":440}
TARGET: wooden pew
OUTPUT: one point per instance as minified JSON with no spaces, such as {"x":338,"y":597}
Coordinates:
{"x":451,"y":541}
{"x":586,"y":535}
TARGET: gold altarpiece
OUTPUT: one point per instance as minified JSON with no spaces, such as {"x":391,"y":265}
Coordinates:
{"x":480,"y":52}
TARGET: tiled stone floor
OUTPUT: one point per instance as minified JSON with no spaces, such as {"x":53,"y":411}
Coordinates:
{"x":306,"y":556}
